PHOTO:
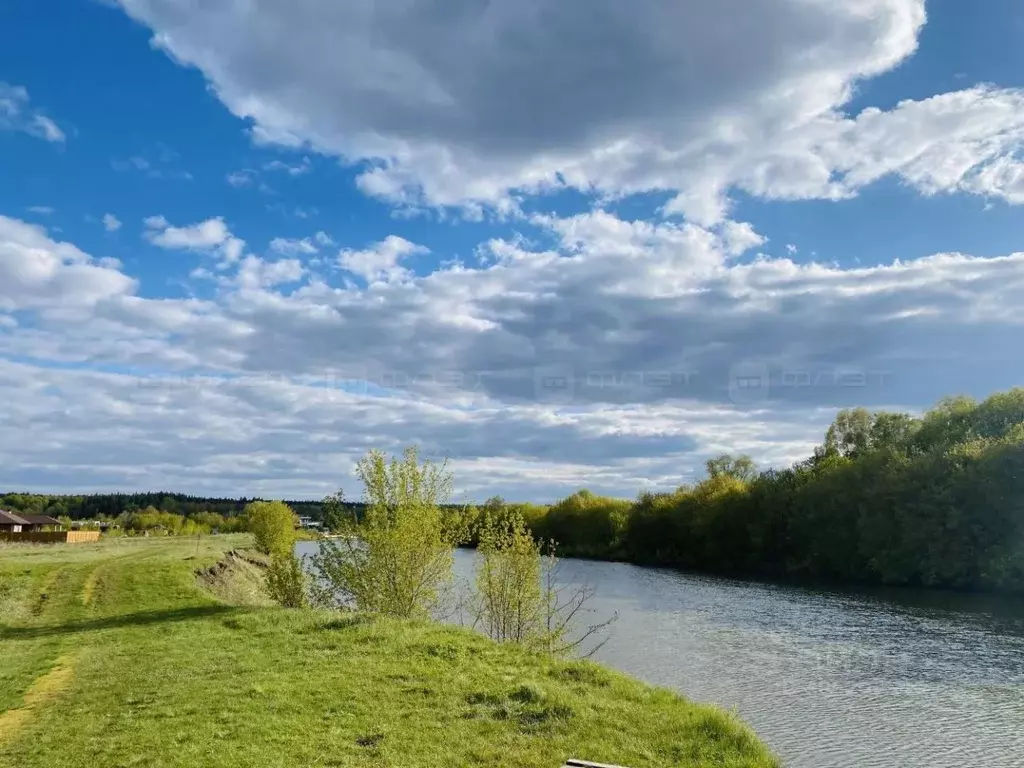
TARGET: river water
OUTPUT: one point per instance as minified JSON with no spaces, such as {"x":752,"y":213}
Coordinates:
{"x":828,"y":678}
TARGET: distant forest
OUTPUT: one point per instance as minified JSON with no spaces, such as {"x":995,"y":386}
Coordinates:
{"x":887,"y":498}
{"x":111,"y":505}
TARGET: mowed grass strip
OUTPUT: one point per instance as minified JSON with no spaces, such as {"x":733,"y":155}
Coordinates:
{"x":35,"y":595}
{"x":169,"y":675}
{"x":42,"y":691}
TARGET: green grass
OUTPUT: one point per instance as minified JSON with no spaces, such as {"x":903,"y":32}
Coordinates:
{"x":157,"y":670}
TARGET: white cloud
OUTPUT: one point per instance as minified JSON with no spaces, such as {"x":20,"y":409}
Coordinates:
{"x":42,"y":210}
{"x":260,"y":435}
{"x":299,"y":169}
{"x":448,"y":112}
{"x":647,"y":324}
{"x":16,"y":115}
{"x":201,"y":236}
{"x":111,"y":223}
{"x":135,"y":162}
{"x":740,"y":237}
{"x":452,"y":115}
{"x":293,"y":247}
{"x":243,"y":178}
{"x":45,"y":128}
{"x":210,"y":236}
{"x":380,"y":263}
{"x":38,"y":273}
{"x":255,"y":273}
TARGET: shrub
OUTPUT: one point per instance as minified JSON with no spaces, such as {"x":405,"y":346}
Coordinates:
{"x":517,"y":597}
{"x":398,"y":559}
{"x":508,"y":604}
{"x":273,"y":525}
{"x":286,"y":581}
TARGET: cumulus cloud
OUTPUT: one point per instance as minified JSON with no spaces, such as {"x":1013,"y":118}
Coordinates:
{"x":380,"y":262}
{"x":294,"y":247}
{"x":626,"y":351}
{"x":297,"y":169}
{"x":210,"y":236}
{"x":111,"y":223}
{"x":475,"y":104}
{"x":38,"y":273}
{"x":17,"y":115}
{"x":255,"y":273}
{"x":452,"y":112}
{"x":619,"y":312}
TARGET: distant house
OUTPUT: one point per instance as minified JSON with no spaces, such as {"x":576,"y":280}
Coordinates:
{"x":308,"y":523}
{"x":22,"y":523}
{"x":42,"y":523}
{"x":12,"y":523}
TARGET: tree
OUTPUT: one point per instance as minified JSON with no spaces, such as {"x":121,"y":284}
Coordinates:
{"x":273,"y":525}
{"x":335,"y":514}
{"x":586,"y":525}
{"x":508,"y":602}
{"x":398,"y":559}
{"x":892,"y":430}
{"x":517,"y":598}
{"x":850,"y":433}
{"x":740,"y":468}
{"x":948,"y":423}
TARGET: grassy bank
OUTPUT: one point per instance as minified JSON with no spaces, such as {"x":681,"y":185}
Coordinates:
{"x":118,"y":654}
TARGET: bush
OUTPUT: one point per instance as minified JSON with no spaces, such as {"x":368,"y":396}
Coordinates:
{"x":517,"y":597}
{"x":273,"y":525}
{"x":509,"y":602}
{"x":286,"y":581}
{"x":398,"y":559}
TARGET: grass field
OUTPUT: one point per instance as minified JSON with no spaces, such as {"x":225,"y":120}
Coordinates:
{"x":116,"y":654}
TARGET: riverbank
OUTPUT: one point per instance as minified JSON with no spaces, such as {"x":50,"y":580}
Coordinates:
{"x":116,"y":654}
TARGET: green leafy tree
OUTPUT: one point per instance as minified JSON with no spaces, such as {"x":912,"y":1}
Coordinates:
{"x":893,"y":430}
{"x":398,"y":559}
{"x":586,"y":525}
{"x":336,"y":516}
{"x":850,"y":433}
{"x":273,"y":526}
{"x":740,"y":468}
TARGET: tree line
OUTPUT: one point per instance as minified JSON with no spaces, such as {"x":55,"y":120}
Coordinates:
{"x":887,"y":498}
{"x":108,"y":506}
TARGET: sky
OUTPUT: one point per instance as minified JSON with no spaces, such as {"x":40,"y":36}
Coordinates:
{"x":584,"y":243}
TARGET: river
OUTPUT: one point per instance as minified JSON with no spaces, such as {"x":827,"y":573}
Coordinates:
{"x":828,"y":678}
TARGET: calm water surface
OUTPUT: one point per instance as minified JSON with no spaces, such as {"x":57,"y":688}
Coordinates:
{"x":829,"y":679}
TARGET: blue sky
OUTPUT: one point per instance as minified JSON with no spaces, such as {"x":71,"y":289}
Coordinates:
{"x":241,"y":244}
